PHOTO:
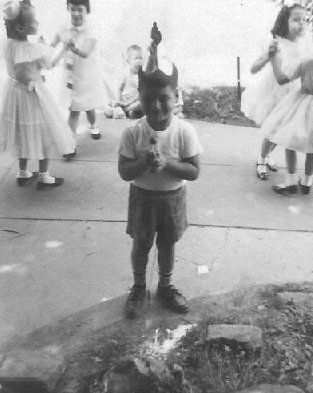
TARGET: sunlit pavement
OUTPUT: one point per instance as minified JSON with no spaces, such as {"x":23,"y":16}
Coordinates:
{"x":65,"y":250}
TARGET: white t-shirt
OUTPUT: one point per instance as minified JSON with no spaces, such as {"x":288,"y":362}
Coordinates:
{"x":178,"y":141}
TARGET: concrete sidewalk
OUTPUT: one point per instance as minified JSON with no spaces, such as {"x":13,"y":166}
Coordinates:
{"x":65,"y":250}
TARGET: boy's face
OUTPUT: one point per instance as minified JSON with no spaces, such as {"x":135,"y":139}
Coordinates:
{"x":78,"y":14}
{"x":158,"y":104}
{"x":135,"y":60}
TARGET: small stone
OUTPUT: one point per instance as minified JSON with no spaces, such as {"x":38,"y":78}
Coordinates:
{"x":266,"y":388}
{"x":296,"y":297}
{"x":248,"y":334}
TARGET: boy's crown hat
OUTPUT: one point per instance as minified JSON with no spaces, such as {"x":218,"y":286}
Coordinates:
{"x":80,"y":2}
{"x":164,"y":73}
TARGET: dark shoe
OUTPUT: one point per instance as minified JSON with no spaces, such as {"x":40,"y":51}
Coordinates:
{"x":22,"y":182}
{"x":70,"y":156}
{"x":261,"y":171}
{"x":135,"y":301}
{"x":285,"y":190}
{"x":172,"y":299}
{"x":95,"y":133}
{"x":304,"y":189}
{"x":43,"y":186}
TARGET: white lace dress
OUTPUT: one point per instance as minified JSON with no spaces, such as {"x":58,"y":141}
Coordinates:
{"x":89,"y":89}
{"x":290,"y":124}
{"x":263,"y":93}
{"x":31,"y":123}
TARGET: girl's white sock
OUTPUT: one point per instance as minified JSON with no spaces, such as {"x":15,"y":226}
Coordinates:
{"x":307,"y":180}
{"x":44,"y":177}
{"x":24,"y":174}
{"x":291,"y":179}
{"x":262,"y":160}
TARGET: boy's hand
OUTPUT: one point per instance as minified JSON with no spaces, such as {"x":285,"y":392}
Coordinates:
{"x":158,"y":163}
{"x":141,"y":158}
{"x":70,"y":44}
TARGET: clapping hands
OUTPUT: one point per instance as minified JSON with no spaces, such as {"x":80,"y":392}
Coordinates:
{"x":152,"y":160}
{"x":155,"y":161}
{"x":70,"y":44}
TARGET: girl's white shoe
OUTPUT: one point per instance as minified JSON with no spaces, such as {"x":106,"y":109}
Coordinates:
{"x":95,"y":133}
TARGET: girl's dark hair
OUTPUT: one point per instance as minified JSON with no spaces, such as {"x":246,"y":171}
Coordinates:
{"x":280,"y":28}
{"x":79,"y":2}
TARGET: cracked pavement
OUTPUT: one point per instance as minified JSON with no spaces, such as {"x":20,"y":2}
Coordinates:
{"x":65,"y":250}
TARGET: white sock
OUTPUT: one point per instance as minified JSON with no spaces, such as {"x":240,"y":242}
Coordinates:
{"x":44,"y":177}
{"x":262,"y":160}
{"x":291,"y":179}
{"x":24,"y":174}
{"x":94,"y":129}
{"x":307,"y":180}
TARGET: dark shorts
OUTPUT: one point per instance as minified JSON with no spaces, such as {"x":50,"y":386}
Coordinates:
{"x":161,"y":212}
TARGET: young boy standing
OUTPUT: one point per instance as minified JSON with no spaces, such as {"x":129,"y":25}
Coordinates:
{"x":158,"y":155}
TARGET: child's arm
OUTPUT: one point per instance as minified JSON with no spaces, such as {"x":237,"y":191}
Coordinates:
{"x":259,"y":64}
{"x":89,"y":46}
{"x":120,"y":90}
{"x":265,"y":58}
{"x":56,"y":41}
{"x":57,"y":58}
{"x":130,"y":168}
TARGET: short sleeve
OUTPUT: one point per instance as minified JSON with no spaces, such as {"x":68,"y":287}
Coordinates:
{"x":191,"y":145}
{"x":127,"y":145}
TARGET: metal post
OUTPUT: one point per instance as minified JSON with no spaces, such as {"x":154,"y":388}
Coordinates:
{"x":238,"y":80}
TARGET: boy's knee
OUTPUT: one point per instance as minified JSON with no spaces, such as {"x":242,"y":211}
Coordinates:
{"x":143,"y":244}
{"x":162,"y":242}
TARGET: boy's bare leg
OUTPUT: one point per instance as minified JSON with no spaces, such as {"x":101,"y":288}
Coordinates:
{"x":168,"y":295}
{"x":139,"y":259}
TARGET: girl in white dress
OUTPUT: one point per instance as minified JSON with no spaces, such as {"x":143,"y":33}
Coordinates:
{"x":258,"y":100}
{"x":31,"y":125}
{"x":82,"y":84}
{"x":290,"y":124}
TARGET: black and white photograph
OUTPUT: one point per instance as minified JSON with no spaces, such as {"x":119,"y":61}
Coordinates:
{"x":156,"y":220}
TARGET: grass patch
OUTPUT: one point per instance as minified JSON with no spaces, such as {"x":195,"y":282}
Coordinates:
{"x":216,"y":105}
